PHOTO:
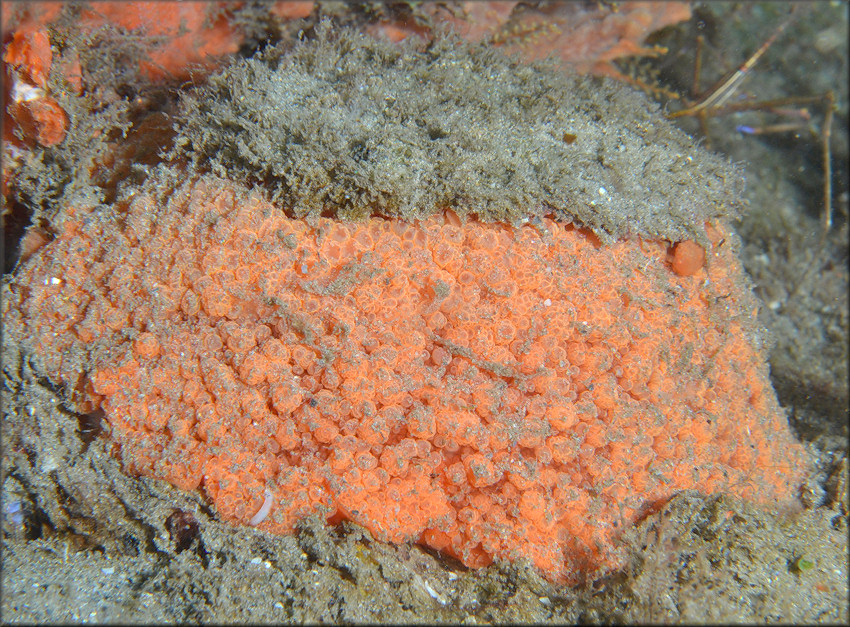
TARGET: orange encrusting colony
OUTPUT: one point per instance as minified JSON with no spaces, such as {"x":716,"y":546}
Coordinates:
{"x":486,"y":390}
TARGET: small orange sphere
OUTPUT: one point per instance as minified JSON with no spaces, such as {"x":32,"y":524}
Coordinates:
{"x":688,"y":258}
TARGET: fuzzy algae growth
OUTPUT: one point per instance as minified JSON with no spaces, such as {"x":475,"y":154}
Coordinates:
{"x":350,"y":126}
{"x":491,"y":390}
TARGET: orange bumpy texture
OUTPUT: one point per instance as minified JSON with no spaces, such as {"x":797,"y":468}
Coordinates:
{"x":485,"y":390}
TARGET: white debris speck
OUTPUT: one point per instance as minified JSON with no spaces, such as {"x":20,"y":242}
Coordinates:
{"x":547,"y":302}
{"x":108,"y":571}
{"x":22,"y":92}
{"x":13,"y":512}
{"x":439,"y":598}
{"x":55,"y":280}
{"x":602,"y":191}
{"x":49,"y":464}
{"x":452,"y":576}
{"x":256,"y":561}
{"x":14,"y":152}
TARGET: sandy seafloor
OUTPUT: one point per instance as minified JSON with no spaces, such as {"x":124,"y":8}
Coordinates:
{"x":83,"y":542}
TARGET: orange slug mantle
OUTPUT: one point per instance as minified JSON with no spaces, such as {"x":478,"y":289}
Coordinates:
{"x":485,"y":390}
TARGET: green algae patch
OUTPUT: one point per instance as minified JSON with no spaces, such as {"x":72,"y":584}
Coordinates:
{"x":347,"y":125}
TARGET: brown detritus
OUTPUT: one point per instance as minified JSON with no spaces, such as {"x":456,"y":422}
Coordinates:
{"x":713,"y":103}
{"x":182,"y":528}
{"x":91,"y":425}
